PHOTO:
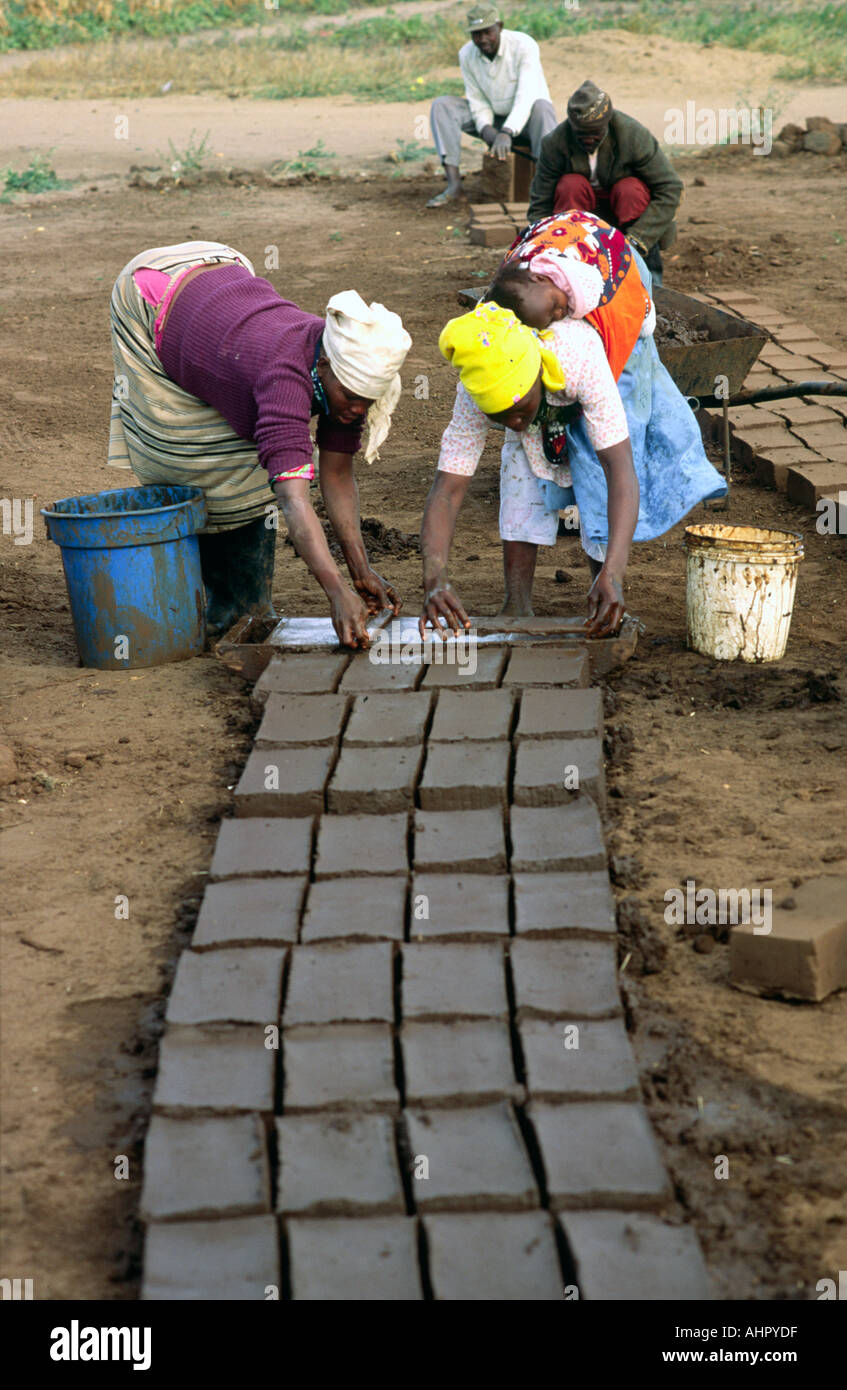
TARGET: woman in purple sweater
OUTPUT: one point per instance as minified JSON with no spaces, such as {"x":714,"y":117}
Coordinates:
{"x":217,"y":379}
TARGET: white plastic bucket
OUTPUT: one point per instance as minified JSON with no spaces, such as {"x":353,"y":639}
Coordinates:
{"x":740,"y":590}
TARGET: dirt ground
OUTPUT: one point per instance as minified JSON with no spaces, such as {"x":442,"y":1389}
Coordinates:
{"x":727,"y":774}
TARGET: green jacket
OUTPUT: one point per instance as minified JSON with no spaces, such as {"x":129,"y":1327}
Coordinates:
{"x":628,"y":148}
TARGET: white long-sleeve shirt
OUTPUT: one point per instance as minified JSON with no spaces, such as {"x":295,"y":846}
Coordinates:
{"x":507,"y":85}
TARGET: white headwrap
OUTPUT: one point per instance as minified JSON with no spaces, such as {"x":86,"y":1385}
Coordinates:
{"x":366,"y":347}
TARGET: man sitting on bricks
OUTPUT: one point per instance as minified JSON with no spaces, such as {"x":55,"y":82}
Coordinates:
{"x":599,"y":160}
{"x":506,"y":102}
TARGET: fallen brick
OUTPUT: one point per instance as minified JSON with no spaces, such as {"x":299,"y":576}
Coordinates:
{"x":340,"y":1066}
{"x":454,"y":980}
{"x":458,"y":1062}
{"x":601,"y":1067}
{"x":564,"y":979}
{"x":376,"y":909}
{"x":255,"y":847}
{"x":547,"y":665}
{"x":450,"y":675}
{"x":305,"y":673}
{"x":460,"y":841}
{"x":500,"y":1256}
{"x":395,"y":720}
{"x":599,"y":1154}
{"x":301,"y":719}
{"x":340,"y":983}
{"x":810,"y":481}
{"x":568,"y":902}
{"x":465,"y":776}
{"x":361,"y":845}
{"x":338,"y":1165}
{"x":476,"y":1159}
{"x":467,"y":907}
{"x":365,"y":677}
{"x":634,"y":1258}
{"x":557,"y":837}
{"x":545,"y":771}
{"x":560,"y":714}
{"x":482,"y":715}
{"x":249,"y":912}
{"x":354,"y":1259}
{"x":374,"y":780}
{"x":804,"y":956}
{"x":205,"y":1167}
{"x":240,"y":986}
{"x":283,"y":782}
{"x":225,"y":1069}
{"x":232,"y":1260}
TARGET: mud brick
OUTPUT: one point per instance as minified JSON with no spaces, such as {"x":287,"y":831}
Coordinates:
{"x":467,"y":907}
{"x":301,"y":719}
{"x":761,"y":378}
{"x":834,"y":359}
{"x":222,"y":1261}
{"x":821,"y":438}
{"x":492,"y":233}
{"x":804,"y":956}
{"x":779,"y":358}
{"x":297,"y":776}
{"x":249,"y":912}
{"x":836,"y":453}
{"x":501,"y":1256}
{"x":634,"y":1257}
{"x":560,"y":903}
{"x":599,"y":1154}
{"x":800,"y":414}
{"x":460,"y":841}
{"x":339,"y":983}
{"x":370,"y":781}
{"x":517,"y":210}
{"x":476,"y":1159}
{"x":486,"y":208}
{"x":564,"y":979}
{"x":354,"y":1259}
{"x":458,"y":1062}
{"x":481,"y":715}
{"x":801,"y":375}
{"x":255,"y":847}
{"x":459,"y":981}
{"x":748,"y":444}
{"x":338,"y":1165}
{"x":813,"y":480}
{"x":752,"y":417}
{"x":364,"y":677}
{"x":558,"y":837}
{"x":559,"y":714}
{"x":388,"y":720}
{"x":601,"y":1068}
{"x":375,"y":909}
{"x":465,"y":776}
{"x":205,"y":1167}
{"x":342,"y":1065}
{"x":836,"y":403}
{"x":306,"y":673}
{"x":547,"y":665}
{"x":241,"y":986}
{"x":443,"y":675}
{"x":540,"y":771}
{"x":772,"y":466}
{"x":361,"y":845}
{"x":223,"y":1070}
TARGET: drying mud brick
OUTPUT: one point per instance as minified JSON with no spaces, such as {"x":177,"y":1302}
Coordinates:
{"x":373,"y":781}
{"x":547,"y":665}
{"x":558,"y":837}
{"x":500,"y":1256}
{"x":388,"y":720}
{"x":361,"y":845}
{"x":545,"y":767}
{"x":601,"y":1067}
{"x":340,"y":983}
{"x":205,"y":1167}
{"x":307,"y":673}
{"x":299,"y":719}
{"x":810,"y":481}
{"x":283,"y":782}
{"x":467,"y":906}
{"x":458,"y":1063}
{"x":454,"y":980}
{"x":460,"y":841}
{"x":240,"y":986}
{"x":634,"y":1257}
{"x":344,"y":1065}
{"x":249,"y":912}
{"x":564,"y":979}
{"x":493,"y":233}
{"x":804,"y":956}
{"x":214,"y":1261}
{"x":224,"y":1069}
{"x":822,"y":438}
{"x":465,"y":776}
{"x":560,"y":714}
{"x":354,"y":1260}
{"x":336,"y":1165}
{"x":449,"y":675}
{"x":363,"y":676}
{"x":482,"y":715}
{"x":253,"y":846}
{"x":599,"y":1154}
{"x":376,"y":908}
{"x":476,"y":1157}
{"x":576,"y":902}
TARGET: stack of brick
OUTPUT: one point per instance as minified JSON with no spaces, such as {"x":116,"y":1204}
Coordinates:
{"x":496,"y":224}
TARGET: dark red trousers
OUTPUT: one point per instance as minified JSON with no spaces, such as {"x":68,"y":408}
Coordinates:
{"x":620,"y":205}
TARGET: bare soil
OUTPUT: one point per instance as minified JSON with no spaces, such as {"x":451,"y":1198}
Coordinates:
{"x":727,"y":774}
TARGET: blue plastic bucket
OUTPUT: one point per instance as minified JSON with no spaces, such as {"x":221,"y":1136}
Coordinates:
{"x":132,"y":567}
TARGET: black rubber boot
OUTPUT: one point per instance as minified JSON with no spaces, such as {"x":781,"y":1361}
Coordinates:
{"x":653,"y":262}
{"x":238,"y":571}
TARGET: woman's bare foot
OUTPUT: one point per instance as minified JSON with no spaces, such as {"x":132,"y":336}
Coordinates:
{"x":515,"y":610}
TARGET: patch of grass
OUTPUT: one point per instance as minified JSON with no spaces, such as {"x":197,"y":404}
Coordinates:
{"x":39,"y":176}
{"x":306,"y":161}
{"x":189,"y":160}
{"x":410,"y":150}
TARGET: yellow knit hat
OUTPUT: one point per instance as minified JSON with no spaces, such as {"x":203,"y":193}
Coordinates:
{"x":498,"y":357}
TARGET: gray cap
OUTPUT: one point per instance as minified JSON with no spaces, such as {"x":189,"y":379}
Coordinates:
{"x":483,"y":16}
{"x":589,"y":107}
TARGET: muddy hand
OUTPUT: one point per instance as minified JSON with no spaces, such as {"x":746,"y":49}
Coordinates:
{"x":349,"y":618}
{"x":605,"y":606}
{"x":377,"y":594}
{"x":443,"y":608}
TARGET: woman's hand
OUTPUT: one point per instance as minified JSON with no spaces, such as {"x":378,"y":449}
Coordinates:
{"x":349,"y":618}
{"x":376,"y":592}
{"x":605,"y":605}
{"x":442,"y":602}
